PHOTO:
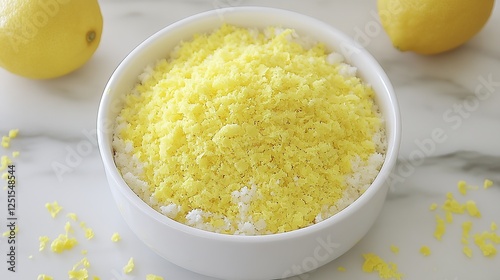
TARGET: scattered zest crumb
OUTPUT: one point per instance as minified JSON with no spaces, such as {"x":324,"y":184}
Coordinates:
{"x":67,"y":242}
{"x":385,"y":270}
{"x":44,"y":277}
{"x":79,"y":271}
{"x":472,"y":209}
{"x":6,"y":139}
{"x":72,"y":216}
{"x":43,"y":242}
{"x":115,"y":237}
{"x":62,"y":243}
{"x":129,"y":266}
{"x":466,"y":228}
{"x":452,"y":205}
{"x":153,"y":277}
{"x":449,"y":217}
{"x":425,"y":250}
{"x":4,"y":162}
{"x":89,"y":233}
{"x":462,"y":187}
{"x":13,"y":133}
{"x":341,"y":268}
{"x":54,"y":208}
{"x":68,"y":228}
{"x":7,"y":232}
{"x":487,"y":183}
{"x":440,"y":228}
{"x":394,"y":249}
{"x":467,"y":251}
{"x":486,"y":241}
{"x":5,"y":142}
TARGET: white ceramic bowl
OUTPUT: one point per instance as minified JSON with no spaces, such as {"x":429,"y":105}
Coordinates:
{"x":247,"y":257}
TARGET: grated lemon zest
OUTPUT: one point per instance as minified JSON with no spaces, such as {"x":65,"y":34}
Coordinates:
{"x":54,"y":208}
{"x":440,"y":228}
{"x":129,"y":266}
{"x":374,"y":263}
{"x":153,"y":277}
{"x":43,"y":242}
{"x":394,"y":249}
{"x":425,"y":250}
{"x":487,"y":183}
{"x":115,"y":237}
{"x":280,"y":115}
{"x":471,"y":207}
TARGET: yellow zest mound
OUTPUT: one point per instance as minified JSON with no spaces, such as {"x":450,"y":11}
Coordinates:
{"x":249,"y":132}
{"x":374,"y":263}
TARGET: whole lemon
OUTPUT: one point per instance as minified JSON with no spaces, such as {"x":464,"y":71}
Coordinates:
{"x":43,"y":39}
{"x":432,"y":26}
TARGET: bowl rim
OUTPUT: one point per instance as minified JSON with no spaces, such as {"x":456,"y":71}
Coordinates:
{"x":105,"y":146}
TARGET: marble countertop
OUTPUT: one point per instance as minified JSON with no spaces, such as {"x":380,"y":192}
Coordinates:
{"x":450,"y":106}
